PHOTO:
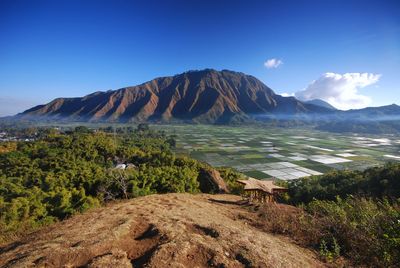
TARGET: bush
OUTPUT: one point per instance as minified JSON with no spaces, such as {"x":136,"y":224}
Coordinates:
{"x":355,"y":211}
{"x":376,"y":182}
{"x":230,"y":177}
{"x":365,"y":231}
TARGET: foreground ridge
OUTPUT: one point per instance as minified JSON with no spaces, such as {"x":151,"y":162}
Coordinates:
{"x":179,"y":230}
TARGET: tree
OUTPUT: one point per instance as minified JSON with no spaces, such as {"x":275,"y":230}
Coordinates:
{"x":143,"y":127}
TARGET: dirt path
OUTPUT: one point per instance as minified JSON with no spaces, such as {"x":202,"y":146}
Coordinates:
{"x":172,"y":230}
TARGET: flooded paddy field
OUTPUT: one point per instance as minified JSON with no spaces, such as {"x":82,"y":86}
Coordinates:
{"x":282,"y":153}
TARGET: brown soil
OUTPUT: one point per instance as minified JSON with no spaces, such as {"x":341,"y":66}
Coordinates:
{"x":171,"y":230}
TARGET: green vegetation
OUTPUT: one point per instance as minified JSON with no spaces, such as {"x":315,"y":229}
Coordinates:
{"x":61,"y":174}
{"x":376,"y":182}
{"x":351,"y":214}
{"x":363,"y":230}
{"x":362,"y":126}
{"x":231,"y":176}
{"x":256,"y":150}
{"x":347,"y":213}
{"x":366,"y":231}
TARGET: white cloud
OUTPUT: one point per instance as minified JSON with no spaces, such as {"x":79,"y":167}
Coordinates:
{"x":340,"y":90}
{"x":287,"y":94}
{"x":273,"y":63}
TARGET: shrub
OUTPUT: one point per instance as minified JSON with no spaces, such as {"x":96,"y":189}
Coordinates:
{"x":365,"y":231}
{"x":376,"y":182}
{"x":230,"y":177}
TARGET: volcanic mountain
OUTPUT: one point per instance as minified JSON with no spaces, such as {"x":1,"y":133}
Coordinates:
{"x":206,"y":96}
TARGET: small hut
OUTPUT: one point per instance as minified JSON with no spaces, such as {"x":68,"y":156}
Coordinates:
{"x":261,"y":191}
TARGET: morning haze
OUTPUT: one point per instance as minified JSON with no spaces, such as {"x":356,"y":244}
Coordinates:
{"x":199,"y":133}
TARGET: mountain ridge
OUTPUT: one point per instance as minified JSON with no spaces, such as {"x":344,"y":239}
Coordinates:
{"x":198,"y":96}
{"x":206,"y":96}
{"x":321,"y":103}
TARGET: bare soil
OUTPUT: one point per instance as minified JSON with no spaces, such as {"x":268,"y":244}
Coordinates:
{"x":171,"y":230}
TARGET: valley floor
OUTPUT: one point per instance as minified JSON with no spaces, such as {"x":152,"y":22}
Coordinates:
{"x":171,"y":230}
{"x":282,"y":153}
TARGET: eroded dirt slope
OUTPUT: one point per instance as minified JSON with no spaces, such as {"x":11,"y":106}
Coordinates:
{"x":172,"y":230}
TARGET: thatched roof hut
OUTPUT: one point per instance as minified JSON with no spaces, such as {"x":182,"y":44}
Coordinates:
{"x":261,"y":190}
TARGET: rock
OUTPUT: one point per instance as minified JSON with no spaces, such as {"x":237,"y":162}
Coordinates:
{"x":120,"y":166}
{"x":211,"y":181}
{"x":130,"y":166}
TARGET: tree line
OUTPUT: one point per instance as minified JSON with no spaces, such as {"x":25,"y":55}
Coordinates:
{"x":61,"y":174}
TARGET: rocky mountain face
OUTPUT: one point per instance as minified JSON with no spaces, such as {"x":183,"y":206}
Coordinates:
{"x":206,"y":96}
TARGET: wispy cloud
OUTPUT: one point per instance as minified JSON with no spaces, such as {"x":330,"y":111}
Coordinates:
{"x":340,"y":90}
{"x":273,"y":63}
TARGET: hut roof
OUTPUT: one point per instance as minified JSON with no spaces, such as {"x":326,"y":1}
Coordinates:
{"x":266,"y":186}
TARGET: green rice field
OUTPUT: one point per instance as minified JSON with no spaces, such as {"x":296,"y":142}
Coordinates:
{"x":281,"y":153}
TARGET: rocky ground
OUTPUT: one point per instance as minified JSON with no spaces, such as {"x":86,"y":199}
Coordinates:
{"x":171,"y":230}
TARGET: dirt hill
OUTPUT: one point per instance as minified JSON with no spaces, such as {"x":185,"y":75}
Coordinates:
{"x":206,"y":96}
{"x":171,"y":230}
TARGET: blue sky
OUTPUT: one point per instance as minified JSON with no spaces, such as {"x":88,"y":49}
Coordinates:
{"x":49,"y":49}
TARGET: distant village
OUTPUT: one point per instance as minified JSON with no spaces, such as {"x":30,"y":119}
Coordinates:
{"x":4,"y":136}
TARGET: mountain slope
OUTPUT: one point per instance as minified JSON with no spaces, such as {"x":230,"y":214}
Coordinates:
{"x":206,"y":96}
{"x":171,"y":230}
{"x":381,"y":113}
{"x":321,"y":103}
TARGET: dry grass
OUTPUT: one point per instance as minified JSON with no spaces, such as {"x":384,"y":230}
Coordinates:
{"x":296,"y":225}
{"x":175,"y":230}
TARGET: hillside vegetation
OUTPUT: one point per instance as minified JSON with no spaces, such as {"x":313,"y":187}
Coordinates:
{"x":62,"y":174}
{"x":377,"y":182}
{"x":355,"y":214}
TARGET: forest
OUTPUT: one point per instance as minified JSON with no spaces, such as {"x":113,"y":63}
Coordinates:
{"x":61,"y":174}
